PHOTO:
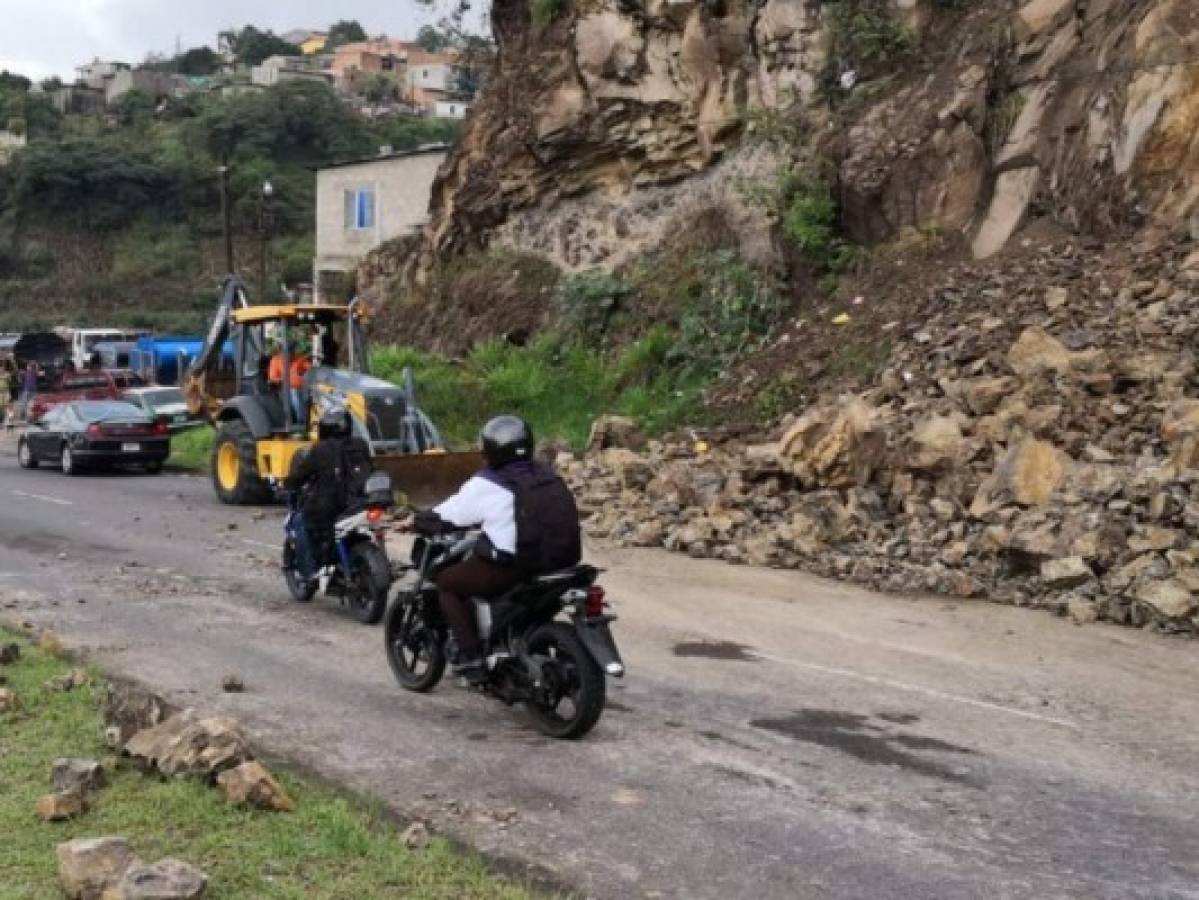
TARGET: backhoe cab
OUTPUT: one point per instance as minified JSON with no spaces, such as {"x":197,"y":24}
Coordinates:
{"x":262,"y":422}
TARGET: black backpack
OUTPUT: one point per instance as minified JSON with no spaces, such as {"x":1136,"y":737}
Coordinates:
{"x":356,"y":469}
{"x":548,"y":536}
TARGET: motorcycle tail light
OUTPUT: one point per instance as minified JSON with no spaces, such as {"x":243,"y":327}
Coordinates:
{"x":595,"y":601}
{"x":374,"y":515}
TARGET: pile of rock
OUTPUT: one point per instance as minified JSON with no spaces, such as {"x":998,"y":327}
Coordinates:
{"x":1034,"y":439}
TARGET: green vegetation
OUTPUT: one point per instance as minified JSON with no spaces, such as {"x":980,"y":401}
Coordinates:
{"x":331,"y":847}
{"x":192,"y":449}
{"x":559,"y":385}
{"x":251,"y":46}
{"x":131,"y":210}
{"x":345,"y":31}
{"x":545,"y":12}
{"x":865,"y":36}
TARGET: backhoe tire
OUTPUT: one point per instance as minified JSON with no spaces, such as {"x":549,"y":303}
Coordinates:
{"x":235,"y":466}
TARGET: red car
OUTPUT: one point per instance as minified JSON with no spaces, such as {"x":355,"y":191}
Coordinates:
{"x":92,"y":385}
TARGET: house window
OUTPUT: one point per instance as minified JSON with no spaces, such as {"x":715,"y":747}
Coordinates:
{"x":360,"y":209}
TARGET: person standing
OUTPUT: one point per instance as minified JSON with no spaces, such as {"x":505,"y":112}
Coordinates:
{"x":28,"y":391}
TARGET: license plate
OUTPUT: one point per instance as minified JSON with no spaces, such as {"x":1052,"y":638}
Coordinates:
{"x":131,"y":448}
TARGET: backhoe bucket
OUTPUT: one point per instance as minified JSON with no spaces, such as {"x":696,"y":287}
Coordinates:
{"x":425,"y":479}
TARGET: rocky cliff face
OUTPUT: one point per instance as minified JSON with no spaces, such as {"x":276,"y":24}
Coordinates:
{"x":611,"y":128}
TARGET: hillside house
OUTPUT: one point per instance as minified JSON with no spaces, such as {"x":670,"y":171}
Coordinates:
{"x":278,"y":69}
{"x":10,"y":142}
{"x":158,"y":85}
{"x":97,"y":74}
{"x":365,"y":203}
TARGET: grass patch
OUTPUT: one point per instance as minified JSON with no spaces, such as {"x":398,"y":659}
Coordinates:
{"x":557,"y":384}
{"x":331,"y":847}
{"x":192,"y":449}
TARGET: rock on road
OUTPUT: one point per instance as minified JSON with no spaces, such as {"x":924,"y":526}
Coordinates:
{"x":779,"y":736}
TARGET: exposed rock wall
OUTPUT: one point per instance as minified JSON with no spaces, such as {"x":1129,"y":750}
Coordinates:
{"x":606,"y":130}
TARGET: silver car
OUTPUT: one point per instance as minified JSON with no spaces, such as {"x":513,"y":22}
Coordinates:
{"x":163,"y":404}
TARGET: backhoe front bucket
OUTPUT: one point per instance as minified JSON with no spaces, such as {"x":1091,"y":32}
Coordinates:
{"x":425,"y":479}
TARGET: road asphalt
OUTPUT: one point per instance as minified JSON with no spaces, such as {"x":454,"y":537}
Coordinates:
{"x":778,"y":736}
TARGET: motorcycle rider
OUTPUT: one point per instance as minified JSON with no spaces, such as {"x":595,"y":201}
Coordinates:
{"x":330,"y":475}
{"x":529,"y":523}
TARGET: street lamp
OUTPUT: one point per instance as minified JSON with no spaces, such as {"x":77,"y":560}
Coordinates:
{"x":265,"y":223}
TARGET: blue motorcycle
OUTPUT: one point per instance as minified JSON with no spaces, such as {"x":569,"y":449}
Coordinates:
{"x":359,"y":573}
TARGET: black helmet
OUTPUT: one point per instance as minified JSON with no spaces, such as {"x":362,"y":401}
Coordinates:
{"x":506,"y":439}
{"x":334,"y":423}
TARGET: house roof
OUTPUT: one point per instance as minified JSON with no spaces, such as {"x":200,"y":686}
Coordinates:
{"x":400,"y":154}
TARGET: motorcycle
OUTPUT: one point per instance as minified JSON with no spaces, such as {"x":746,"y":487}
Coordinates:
{"x":360,"y":575}
{"x":546,"y":643}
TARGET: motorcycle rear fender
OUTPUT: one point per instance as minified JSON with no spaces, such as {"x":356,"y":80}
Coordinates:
{"x":598,"y":641}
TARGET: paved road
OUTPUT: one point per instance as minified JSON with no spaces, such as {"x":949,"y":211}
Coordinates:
{"x":779,"y":736}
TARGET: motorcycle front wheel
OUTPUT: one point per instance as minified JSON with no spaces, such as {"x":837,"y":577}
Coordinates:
{"x":415,"y":651}
{"x":370,"y":575}
{"x":301,"y":589}
{"x":573,"y":691}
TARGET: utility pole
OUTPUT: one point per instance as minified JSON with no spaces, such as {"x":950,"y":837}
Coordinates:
{"x":265,"y":223}
{"x":226,"y":218}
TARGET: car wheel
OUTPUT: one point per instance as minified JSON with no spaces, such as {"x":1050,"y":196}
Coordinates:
{"x":25,"y":457}
{"x":69,"y":466}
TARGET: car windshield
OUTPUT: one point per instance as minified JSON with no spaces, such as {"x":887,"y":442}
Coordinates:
{"x":90,"y":340}
{"x":163,"y":397}
{"x":99,"y":412}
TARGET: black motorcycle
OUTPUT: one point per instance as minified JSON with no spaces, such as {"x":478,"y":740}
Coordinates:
{"x":546,"y":643}
{"x":360,"y":574}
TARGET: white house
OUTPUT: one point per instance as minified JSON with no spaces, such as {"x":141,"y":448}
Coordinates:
{"x":365,"y":203}
{"x":451,"y":109}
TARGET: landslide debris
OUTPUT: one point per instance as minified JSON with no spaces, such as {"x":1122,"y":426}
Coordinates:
{"x":1033,"y":438}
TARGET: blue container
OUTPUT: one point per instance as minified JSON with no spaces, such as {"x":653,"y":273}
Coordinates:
{"x":164,"y":360}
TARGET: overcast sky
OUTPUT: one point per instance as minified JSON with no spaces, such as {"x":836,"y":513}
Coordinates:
{"x":39,"y":38}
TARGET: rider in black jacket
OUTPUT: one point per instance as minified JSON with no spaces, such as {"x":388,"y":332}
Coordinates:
{"x":328,"y":476}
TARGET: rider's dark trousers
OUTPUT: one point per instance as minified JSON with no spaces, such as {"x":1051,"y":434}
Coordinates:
{"x":473,"y":577}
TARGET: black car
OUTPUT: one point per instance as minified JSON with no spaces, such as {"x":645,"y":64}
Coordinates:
{"x":94,"y":434}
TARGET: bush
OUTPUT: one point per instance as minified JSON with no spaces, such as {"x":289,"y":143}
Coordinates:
{"x":731,"y":310}
{"x":544,"y":12}
{"x":557,"y":384}
{"x":865,"y":37}
{"x":587,"y":302}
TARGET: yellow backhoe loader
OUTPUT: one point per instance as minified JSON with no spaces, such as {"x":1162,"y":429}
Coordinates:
{"x":262,"y":424}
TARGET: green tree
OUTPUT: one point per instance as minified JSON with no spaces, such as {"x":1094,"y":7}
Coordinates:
{"x":14,"y":81}
{"x":197,"y":61}
{"x":134,"y":108}
{"x":345,"y":31}
{"x":251,"y":46}
{"x":432,"y":39}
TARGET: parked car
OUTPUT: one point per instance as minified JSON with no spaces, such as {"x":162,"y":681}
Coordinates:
{"x":93,"y":384}
{"x":164,"y":404}
{"x":85,"y":434}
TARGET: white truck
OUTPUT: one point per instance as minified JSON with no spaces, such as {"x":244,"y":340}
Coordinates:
{"x":83,"y":341}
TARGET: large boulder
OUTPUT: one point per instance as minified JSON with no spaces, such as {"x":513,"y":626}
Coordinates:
{"x":68,"y":773}
{"x":1029,"y":474}
{"x":167,"y":879}
{"x":1180,"y":430}
{"x":251,"y":783}
{"x":1037,"y":352}
{"x":189,"y":744}
{"x":87,"y":867}
{"x":615,"y":431}
{"x":937,"y":444}
{"x":129,"y":708}
{"x":836,"y":446}
{"x":1166,"y":600}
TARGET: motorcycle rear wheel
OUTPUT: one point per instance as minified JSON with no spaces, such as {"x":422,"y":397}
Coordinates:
{"x":415,"y":651}
{"x":574,"y":691}
{"x":370,"y":573}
